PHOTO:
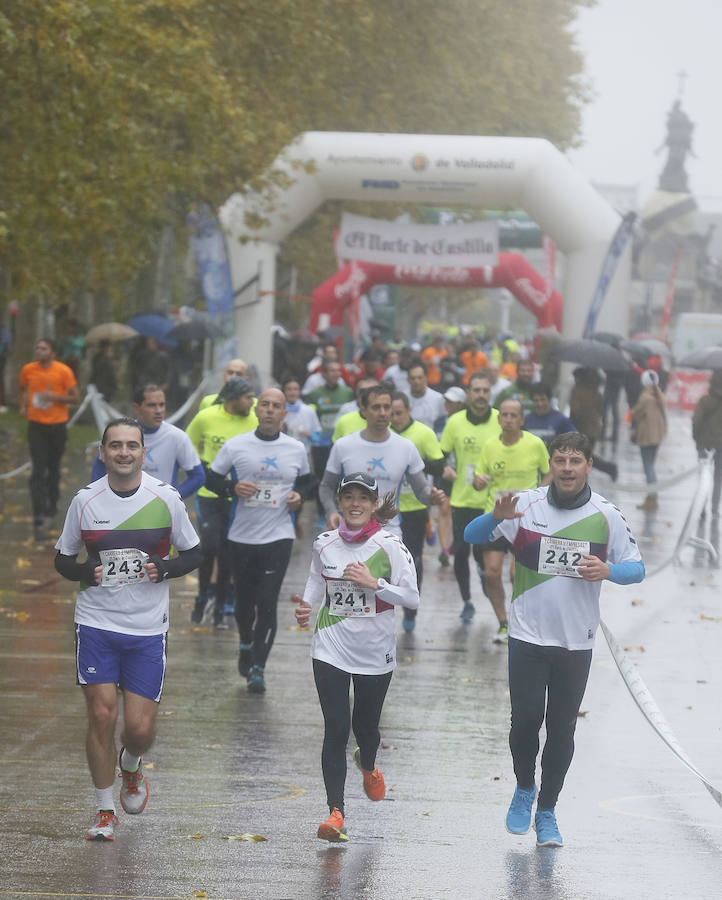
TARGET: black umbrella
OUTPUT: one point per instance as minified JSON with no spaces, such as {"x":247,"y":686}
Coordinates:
{"x":607,"y":337}
{"x":592,"y":354}
{"x":652,"y":346}
{"x":704,"y":358}
{"x":192,"y":330}
{"x":638,"y":350}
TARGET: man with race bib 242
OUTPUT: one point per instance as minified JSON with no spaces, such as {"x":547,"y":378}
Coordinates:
{"x":566,"y":539}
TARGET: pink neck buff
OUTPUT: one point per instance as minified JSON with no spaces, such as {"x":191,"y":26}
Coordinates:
{"x":360,"y":535}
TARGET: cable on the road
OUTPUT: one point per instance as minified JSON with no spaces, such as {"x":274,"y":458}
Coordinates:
{"x":649,"y":709}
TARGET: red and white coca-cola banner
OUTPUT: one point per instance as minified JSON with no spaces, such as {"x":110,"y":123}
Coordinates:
{"x":512,"y":272}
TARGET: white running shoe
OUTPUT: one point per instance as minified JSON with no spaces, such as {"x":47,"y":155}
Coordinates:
{"x":103,"y":827}
{"x":134,"y":790}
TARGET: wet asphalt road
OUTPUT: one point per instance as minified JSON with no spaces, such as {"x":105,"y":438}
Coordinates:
{"x":636,"y":823}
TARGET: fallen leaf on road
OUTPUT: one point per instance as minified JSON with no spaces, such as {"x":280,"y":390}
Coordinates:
{"x":637,"y":602}
{"x":387,"y":747}
{"x":246,"y":836}
{"x":582,"y":713}
{"x":710,"y":618}
{"x":199,"y":893}
{"x":197,"y":837}
{"x":22,"y":563}
{"x":634,"y":647}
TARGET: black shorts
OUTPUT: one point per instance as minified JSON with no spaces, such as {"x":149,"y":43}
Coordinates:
{"x":500,"y":544}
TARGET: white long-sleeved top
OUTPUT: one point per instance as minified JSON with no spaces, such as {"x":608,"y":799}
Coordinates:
{"x":362,"y":639}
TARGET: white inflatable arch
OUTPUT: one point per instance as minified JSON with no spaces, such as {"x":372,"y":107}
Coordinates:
{"x":490,"y":172}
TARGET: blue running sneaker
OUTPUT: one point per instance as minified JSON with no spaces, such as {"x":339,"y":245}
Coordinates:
{"x":409,"y":624}
{"x":518,"y":819}
{"x":256,"y":682}
{"x":467,"y":613}
{"x":545,"y":825}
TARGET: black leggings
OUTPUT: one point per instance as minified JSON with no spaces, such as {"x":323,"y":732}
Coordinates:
{"x":413,"y":534}
{"x":369,"y":692}
{"x":258,"y":572}
{"x":213,"y":515}
{"x":555,"y":678}
{"x":460,"y":518}
{"x":47,"y":445}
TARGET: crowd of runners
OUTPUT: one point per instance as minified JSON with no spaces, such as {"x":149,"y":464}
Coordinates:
{"x":460,"y":448}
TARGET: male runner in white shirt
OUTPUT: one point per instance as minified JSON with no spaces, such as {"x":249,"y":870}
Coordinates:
{"x":127,"y":522}
{"x":167,"y":448}
{"x":378,"y":451}
{"x":269,"y":479}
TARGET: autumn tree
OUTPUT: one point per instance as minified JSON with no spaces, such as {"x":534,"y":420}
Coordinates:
{"x":119,"y":115}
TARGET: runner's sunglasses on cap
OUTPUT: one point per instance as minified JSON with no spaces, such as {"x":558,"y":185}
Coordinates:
{"x":359,"y":479}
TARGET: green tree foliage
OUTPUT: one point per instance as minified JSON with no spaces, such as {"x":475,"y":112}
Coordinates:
{"x":118,"y":115}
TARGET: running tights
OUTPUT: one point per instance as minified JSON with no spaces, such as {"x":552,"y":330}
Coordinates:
{"x":369,"y":691}
{"x":460,"y":518}
{"x":540,"y":677}
{"x":413,"y":534}
{"x":258,"y":572}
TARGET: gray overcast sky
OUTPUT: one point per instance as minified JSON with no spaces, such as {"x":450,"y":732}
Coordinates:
{"x":634,"y":50}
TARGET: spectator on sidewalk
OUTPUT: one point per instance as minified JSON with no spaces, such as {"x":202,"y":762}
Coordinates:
{"x":649,"y":428}
{"x":707,"y":432}
{"x":47,"y":389}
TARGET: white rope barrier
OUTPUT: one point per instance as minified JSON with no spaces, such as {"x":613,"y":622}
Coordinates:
{"x":74,"y":418}
{"x":103,"y":412}
{"x":649,"y":709}
{"x":697,"y":507}
{"x":181,"y":411}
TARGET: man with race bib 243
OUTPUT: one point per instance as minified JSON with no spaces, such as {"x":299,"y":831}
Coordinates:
{"x":127,"y":522}
{"x":566,"y":539}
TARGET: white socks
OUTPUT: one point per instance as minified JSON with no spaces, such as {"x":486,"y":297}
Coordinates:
{"x":127,"y":762}
{"x":104,"y":798}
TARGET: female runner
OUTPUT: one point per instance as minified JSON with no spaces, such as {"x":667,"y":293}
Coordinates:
{"x":361,"y":572}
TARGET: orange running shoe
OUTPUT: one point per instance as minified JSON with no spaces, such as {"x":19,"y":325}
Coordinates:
{"x":374,"y":784}
{"x":333,"y":828}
